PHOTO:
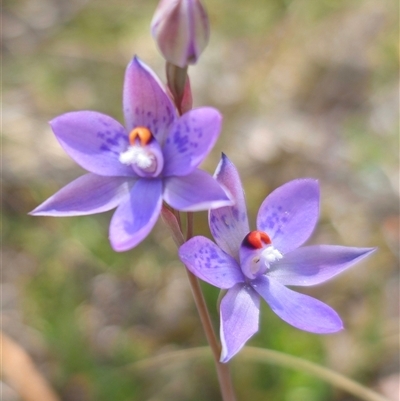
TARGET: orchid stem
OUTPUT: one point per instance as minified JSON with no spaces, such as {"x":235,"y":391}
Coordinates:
{"x":223,"y":373}
{"x":176,"y":78}
{"x":189,"y":228}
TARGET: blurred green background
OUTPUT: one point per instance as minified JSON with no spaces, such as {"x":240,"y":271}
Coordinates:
{"x":307,"y":88}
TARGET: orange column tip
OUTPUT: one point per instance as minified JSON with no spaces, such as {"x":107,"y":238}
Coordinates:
{"x":142,"y":133}
{"x":257,"y":239}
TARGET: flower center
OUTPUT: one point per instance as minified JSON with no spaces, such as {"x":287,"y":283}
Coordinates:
{"x":144,"y":154}
{"x":257,"y":254}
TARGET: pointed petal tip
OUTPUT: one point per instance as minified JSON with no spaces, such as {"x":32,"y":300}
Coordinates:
{"x":365,"y":252}
{"x":224,"y":156}
{"x":55,"y":120}
{"x":41,"y":211}
{"x":222,"y":163}
{"x":371,"y":250}
{"x":224,"y":358}
{"x":34,"y":212}
{"x":136,"y":60}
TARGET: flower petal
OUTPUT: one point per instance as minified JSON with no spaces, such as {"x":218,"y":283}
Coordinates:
{"x":299,"y":310}
{"x":239,"y":315}
{"x":87,"y":194}
{"x":190,"y":140}
{"x":312,"y":265}
{"x":289,"y":214}
{"x":135,"y":218}
{"x":229,"y":225}
{"x":145,"y":101}
{"x":194,"y":192}
{"x":94,"y":141}
{"x":209,"y":263}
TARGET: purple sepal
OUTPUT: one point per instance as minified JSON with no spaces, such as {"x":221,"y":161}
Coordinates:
{"x":135,"y":217}
{"x":208,"y":262}
{"x":145,"y":101}
{"x":299,"y":310}
{"x":88,"y":194}
{"x":311,"y":265}
{"x":239,"y":314}
{"x":191,"y":139}
{"x":194,"y":192}
{"x":229,"y":225}
{"x":289,"y":214}
{"x":94,"y":141}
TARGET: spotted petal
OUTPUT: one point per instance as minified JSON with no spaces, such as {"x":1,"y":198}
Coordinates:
{"x":239,"y":312}
{"x":208,"y":262}
{"x":145,"y":101}
{"x":229,"y":225}
{"x":94,"y":140}
{"x":289,"y":214}
{"x":88,"y":194}
{"x":194,"y":192}
{"x":191,"y":139}
{"x":312,"y":265}
{"x":135,"y":217}
{"x":299,"y":310}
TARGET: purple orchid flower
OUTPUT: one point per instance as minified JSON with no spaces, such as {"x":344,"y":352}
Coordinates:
{"x":259,"y":264}
{"x":154,"y":158}
{"x":181,"y":30}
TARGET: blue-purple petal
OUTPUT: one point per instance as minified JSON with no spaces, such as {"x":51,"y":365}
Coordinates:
{"x":239,"y":315}
{"x":88,"y":194}
{"x":194,"y":192}
{"x":289,"y":214}
{"x":299,"y":310}
{"x":209,"y":263}
{"x":190,"y":140}
{"x":134,"y":218}
{"x":145,"y":102}
{"x":229,"y":225}
{"x":94,"y":141}
{"x":312,"y":265}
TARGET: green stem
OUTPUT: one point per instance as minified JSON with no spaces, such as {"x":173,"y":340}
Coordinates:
{"x":176,"y":80}
{"x":189,"y":228}
{"x":293,"y":362}
{"x":270,"y":357}
{"x":223,"y":372}
{"x":224,"y":376}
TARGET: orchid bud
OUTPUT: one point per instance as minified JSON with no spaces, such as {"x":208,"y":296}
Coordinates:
{"x":181,"y":30}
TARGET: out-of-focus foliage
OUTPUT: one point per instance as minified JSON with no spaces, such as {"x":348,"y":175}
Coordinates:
{"x":307,"y":88}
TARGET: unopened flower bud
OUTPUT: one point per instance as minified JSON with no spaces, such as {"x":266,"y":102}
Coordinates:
{"x":181,"y":30}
